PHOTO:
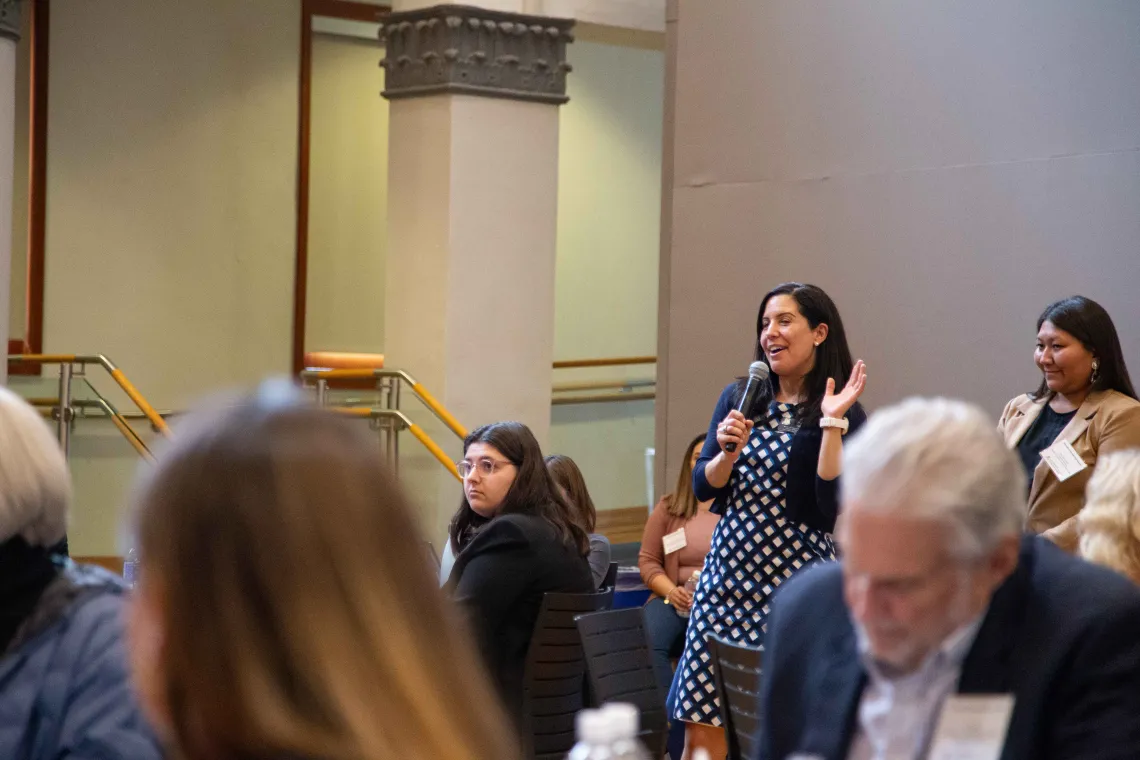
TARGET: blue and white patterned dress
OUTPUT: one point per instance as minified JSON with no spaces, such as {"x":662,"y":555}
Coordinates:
{"x":754,"y":549}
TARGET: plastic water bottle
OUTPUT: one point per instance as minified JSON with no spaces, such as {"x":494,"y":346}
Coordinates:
{"x":691,"y":587}
{"x":595,"y":736}
{"x":624,"y":722}
{"x":131,"y":567}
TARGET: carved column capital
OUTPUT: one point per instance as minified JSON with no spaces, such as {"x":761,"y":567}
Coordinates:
{"x":10,"y":19}
{"x":450,"y":49}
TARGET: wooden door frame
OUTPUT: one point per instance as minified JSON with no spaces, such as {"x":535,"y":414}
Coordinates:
{"x":32,"y":342}
{"x":343,"y":9}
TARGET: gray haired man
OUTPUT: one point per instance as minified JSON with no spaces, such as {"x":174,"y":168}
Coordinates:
{"x":944,"y":632}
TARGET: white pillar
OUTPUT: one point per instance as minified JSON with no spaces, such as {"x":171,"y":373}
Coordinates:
{"x":472,"y":214}
{"x":9,"y":36}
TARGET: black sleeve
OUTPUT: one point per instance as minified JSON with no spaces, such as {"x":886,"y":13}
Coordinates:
{"x":701,"y":486}
{"x":496,"y":568}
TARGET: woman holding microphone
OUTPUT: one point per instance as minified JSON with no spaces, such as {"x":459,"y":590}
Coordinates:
{"x":773,"y":471}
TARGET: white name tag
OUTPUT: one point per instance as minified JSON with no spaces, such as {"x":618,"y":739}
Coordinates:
{"x":1063,"y":460}
{"x":972,"y":727}
{"x":675,"y":541}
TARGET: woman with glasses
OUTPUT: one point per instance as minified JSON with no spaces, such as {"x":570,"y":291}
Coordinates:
{"x":515,"y":538}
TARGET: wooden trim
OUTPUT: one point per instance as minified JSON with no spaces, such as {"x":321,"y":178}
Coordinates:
{"x":37,"y":193}
{"x":107,"y":562}
{"x":32,"y":342}
{"x":622,"y":525}
{"x":616,"y":361}
{"x":301,"y":266}
{"x":37,"y":176}
{"x":346,"y":9}
{"x":352,"y":11}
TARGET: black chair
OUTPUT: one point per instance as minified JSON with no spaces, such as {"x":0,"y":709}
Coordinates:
{"x":620,"y":666}
{"x":555,"y":675}
{"x":611,"y":577}
{"x":737,"y":672}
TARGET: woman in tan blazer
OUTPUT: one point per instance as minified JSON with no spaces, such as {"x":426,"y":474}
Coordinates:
{"x":1085,"y":407}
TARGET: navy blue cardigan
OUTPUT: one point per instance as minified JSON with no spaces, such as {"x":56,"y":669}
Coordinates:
{"x":809,"y":499}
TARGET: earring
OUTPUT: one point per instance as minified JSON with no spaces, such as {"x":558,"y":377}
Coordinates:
{"x":1096,"y":371}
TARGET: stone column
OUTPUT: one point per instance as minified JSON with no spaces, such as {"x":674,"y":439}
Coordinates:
{"x":9,"y":36}
{"x":473,"y":177}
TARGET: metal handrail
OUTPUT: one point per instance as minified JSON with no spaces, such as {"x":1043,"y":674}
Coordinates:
{"x":123,"y":426}
{"x":616,"y":361}
{"x":48,"y":405}
{"x":320,"y":374}
{"x":116,"y":374}
{"x":413,"y":428}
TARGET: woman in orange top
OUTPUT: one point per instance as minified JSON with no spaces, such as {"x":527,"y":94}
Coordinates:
{"x":673,"y":547}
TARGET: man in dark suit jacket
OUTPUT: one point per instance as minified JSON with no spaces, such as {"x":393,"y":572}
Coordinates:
{"x":938,"y":595}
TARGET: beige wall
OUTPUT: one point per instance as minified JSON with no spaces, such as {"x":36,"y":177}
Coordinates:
{"x":609,"y":212}
{"x":348,"y":197}
{"x":943,"y":170}
{"x":171,"y":194}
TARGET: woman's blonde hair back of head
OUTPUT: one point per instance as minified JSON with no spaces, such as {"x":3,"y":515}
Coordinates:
{"x":35,"y":486}
{"x":1110,"y":520}
{"x":300,"y":617}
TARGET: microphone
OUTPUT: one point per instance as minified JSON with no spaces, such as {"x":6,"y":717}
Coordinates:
{"x":757,"y":376}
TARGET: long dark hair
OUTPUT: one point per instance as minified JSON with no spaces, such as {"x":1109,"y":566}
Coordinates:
{"x":532,"y":493}
{"x":832,"y":357}
{"x":569,"y":478}
{"x":683,"y":502}
{"x":1087,"y":321}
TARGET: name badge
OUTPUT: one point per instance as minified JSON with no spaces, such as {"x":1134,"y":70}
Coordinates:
{"x":1063,"y":460}
{"x":675,"y":541}
{"x":972,"y":727}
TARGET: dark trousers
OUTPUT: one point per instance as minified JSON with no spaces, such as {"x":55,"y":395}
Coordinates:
{"x":666,"y":638}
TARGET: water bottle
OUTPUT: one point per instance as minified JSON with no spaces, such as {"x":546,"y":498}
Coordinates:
{"x":691,"y":587}
{"x":131,"y":567}
{"x":624,"y":723}
{"x":595,"y":737}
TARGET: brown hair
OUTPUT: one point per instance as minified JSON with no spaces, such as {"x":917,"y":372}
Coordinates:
{"x":683,"y":502}
{"x":300,"y":617}
{"x":569,"y":478}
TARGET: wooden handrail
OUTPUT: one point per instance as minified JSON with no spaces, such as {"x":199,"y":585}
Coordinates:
{"x":604,"y":385}
{"x":601,"y":398}
{"x":438,"y":409}
{"x":616,"y":361}
{"x":421,"y":436}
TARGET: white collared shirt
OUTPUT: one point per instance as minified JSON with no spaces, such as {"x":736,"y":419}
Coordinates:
{"x":897,"y":715}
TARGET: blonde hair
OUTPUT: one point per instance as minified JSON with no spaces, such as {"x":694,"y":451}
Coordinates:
{"x":35,"y":486}
{"x":1110,"y":520}
{"x":300,"y":618}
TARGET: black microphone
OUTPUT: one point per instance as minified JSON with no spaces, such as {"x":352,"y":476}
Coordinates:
{"x":757,"y":376}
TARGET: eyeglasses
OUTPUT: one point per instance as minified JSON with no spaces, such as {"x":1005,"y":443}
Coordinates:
{"x":486,"y":466}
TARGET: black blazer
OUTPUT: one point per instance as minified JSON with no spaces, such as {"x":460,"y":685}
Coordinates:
{"x":499,"y":578}
{"x":809,"y":498}
{"x":1061,"y":635}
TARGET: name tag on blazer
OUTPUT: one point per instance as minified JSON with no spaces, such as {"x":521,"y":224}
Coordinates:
{"x":972,"y":727}
{"x":675,"y":541}
{"x":1063,"y":460}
